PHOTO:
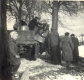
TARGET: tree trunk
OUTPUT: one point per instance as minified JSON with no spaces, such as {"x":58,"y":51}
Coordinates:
{"x":19,"y":13}
{"x":5,"y":70}
{"x":55,"y":15}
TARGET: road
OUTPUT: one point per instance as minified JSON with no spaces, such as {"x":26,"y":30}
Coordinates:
{"x":42,"y":70}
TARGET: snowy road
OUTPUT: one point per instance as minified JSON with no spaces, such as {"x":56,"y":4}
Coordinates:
{"x":41,"y":70}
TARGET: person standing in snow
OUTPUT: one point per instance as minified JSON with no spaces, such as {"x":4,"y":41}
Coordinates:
{"x":53,"y":42}
{"x":14,"y":55}
{"x":75,"y":51}
{"x":67,"y":47}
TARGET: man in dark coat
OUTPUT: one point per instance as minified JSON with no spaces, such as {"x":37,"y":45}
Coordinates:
{"x":53,"y":42}
{"x":34,"y":22}
{"x":75,"y":51}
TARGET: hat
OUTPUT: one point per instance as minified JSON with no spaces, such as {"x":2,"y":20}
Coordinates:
{"x":12,"y":33}
{"x":72,"y":34}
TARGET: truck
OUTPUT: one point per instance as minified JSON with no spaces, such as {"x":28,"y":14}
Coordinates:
{"x":26,"y":42}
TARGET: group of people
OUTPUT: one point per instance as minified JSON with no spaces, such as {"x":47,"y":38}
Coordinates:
{"x":68,"y":45}
{"x":14,"y":55}
{"x":64,"y":48}
{"x":31,"y":26}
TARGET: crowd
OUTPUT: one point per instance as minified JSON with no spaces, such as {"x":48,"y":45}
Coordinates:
{"x":68,"y":45}
{"x":64,"y":48}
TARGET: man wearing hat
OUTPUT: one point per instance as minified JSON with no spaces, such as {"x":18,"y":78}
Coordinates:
{"x":75,"y":51}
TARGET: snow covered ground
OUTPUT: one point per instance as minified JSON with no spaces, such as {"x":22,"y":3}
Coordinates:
{"x":81,"y":50}
{"x":41,"y":69}
{"x":26,"y":63}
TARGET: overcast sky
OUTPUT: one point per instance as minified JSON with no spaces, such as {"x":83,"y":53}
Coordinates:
{"x":74,"y":24}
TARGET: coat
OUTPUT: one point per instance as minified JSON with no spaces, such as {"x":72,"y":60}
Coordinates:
{"x":33,"y":23}
{"x":75,"y":41}
{"x":53,"y":39}
{"x":75,"y":51}
{"x":67,"y":47}
{"x":53,"y":42}
{"x":13,"y":52}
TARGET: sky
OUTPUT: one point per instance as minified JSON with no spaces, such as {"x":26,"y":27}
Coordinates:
{"x":74,"y":24}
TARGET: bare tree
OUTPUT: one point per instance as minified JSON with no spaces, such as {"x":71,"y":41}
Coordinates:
{"x":30,"y":5}
{"x":66,"y":7}
{"x":21,"y":9}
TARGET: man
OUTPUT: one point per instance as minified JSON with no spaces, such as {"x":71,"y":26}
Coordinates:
{"x":53,"y":42}
{"x":75,"y":51}
{"x":34,"y":22}
{"x":67,"y":46}
{"x":14,"y":55}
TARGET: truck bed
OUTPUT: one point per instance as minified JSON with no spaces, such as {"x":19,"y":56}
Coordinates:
{"x":25,"y":37}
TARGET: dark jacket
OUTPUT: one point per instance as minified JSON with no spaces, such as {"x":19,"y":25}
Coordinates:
{"x":13,"y":52}
{"x":75,"y":41}
{"x":53,"y":39}
{"x":75,"y":51}
{"x":33,"y":23}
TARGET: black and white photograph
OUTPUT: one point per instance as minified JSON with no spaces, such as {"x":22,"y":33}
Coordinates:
{"x":42,"y":40}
